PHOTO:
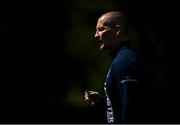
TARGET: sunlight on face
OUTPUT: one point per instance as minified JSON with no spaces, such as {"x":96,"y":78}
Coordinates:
{"x":104,"y":34}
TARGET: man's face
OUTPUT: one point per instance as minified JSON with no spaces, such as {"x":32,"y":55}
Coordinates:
{"x":104,"y":35}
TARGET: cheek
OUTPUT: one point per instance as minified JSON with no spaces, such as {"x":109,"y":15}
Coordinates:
{"x":107,"y":37}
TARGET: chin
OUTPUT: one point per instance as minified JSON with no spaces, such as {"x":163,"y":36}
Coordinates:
{"x":101,"y":48}
{"x":104,"y":48}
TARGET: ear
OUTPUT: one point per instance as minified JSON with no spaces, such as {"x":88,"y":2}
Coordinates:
{"x":119,"y":29}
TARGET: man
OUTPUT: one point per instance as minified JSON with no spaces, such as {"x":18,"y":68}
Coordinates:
{"x":123,"y":87}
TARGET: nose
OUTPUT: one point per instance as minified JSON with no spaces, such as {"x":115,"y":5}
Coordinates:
{"x":96,"y":36}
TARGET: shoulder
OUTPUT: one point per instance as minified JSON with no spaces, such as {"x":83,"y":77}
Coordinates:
{"x":124,"y":57}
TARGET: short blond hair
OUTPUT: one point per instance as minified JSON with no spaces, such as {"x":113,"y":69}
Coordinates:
{"x":114,"y":18}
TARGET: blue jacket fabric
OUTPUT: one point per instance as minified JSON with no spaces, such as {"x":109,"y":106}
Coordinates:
{"x":123,"y":87}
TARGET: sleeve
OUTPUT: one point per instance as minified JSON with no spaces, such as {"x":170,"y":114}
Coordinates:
{"x":126,"y":79}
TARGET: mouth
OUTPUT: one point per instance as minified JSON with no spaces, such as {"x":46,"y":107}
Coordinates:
{"x":100,"y":42}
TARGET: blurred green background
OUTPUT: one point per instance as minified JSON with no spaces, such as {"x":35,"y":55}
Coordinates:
{"x":49,"y":57}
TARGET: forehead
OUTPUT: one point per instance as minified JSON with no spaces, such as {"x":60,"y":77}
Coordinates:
{"x":101,"y":21}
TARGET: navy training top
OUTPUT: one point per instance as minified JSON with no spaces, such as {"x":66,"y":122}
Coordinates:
{"x":123,"y":87}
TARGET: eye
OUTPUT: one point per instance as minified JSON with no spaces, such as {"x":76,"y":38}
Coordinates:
{"x":100,"y":29}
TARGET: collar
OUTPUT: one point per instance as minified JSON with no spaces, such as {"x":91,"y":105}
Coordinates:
{"x":114,"y":52}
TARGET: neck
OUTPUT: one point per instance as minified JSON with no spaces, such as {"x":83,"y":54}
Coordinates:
{"x":116,"y":49}
{"x":119,"y":42}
